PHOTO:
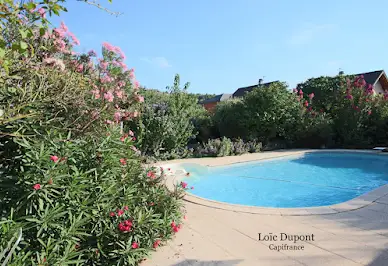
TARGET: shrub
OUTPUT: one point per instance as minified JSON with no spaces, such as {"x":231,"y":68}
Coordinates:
{"x":229,"y":119}
{"x":80,"y":198}
{"x":225,"y":147}
{"x":326,"y":90}
{"x":166,"y":124}
{"x":254,"y":146}
{"x":356,"y":112}
{"x":239,"y":147}
{"x":205,"y":128}
{"x":88,"y":201}
{"x":264,"y":114}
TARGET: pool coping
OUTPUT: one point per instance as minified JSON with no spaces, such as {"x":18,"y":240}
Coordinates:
{"x":350,"y":205}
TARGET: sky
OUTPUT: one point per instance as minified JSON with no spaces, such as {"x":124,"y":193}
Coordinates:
{"x":221,"y":45}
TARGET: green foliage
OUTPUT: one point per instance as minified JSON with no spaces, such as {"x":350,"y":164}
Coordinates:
{"x":166,"y":124}
{"x":359,"y":116}
{"x":326,"y":90}
{"x":263,"y":114}
{"x":314,"y":131}
{"x":225,"y":147}
{"x":69,"y":176}
{"x":230,"y":118}
{"x":204,"y":125}
{"x":67,"y":218}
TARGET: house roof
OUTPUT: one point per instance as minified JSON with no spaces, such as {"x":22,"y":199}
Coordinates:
{"x":371,"y":77}
{"x":241,"y":91}
{"x":217,"y":98}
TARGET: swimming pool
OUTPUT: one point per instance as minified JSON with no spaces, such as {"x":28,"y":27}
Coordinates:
{"x":310,"y":180}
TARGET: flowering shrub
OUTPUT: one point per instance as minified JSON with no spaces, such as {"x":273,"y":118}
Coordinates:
{"x":70,"y":172}
{"x":88,"y":201}
{"x":326,"y":90}
{"x":359,"y":114}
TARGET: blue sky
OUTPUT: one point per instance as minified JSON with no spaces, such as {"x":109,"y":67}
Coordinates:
{"x":220,"y":45}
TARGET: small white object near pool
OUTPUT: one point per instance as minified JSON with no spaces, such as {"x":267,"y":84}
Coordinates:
{"x":380,"y":148}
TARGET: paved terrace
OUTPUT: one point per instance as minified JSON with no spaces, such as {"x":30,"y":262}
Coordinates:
{"x":351,"y":233}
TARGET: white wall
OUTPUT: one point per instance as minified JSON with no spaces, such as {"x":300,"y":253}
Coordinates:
{"x":377,"y":88}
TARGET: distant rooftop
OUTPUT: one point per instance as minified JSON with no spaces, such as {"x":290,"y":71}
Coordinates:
{"x":371,"y":77}
{"x":217,"y":98}
{"x":241,"y":91}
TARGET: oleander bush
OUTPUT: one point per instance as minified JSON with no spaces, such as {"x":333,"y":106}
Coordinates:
{"x":88,"y":201}
{"x":70,"y":172}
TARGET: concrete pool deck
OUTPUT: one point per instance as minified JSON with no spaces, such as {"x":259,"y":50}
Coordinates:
{"x":351,"y":233}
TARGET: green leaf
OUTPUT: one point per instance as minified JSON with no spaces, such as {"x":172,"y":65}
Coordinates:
{"x":30,"y":6}
{"x":42,"y":31}
{"x":2,"y":53}
{"x":23,"y":45}
{"x":23,"y":33}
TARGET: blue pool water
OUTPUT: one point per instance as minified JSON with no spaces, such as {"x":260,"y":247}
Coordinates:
{"x":315,"y":179}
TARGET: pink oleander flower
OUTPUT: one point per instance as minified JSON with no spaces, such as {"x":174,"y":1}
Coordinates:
{"x":104,"y":65}
{"x":306,"y":104}
{"x":348,"y":96}
{"x":117,"y":117}
{"x":54,"y":158}
{"x":130,"y":133}
{"x":42,"y":12}
{"x":109,"y":122}
{"x":300,"y":92}
{"x":108,"y":46}
{"x":151,"y":174}
{"x":132,"y":73}
{"x":119,"y":94}
{"x":183,"y":184}
{"x":90,"y":64}
{"x":92,"y":53}
{"x":139,"y":98}
{"x":121,"y":84}
{"x":119,"y":52}
{"x":123,"y":161}
{"x":108,"y":96}
{"x":125,"y":226}
{"x":294,"y":90}
{"x":135,"y":245}
{"x":122,"y":64}
{"x":369,"y":112}
{"x":96,"y":94}
{"x":106,"y":79}
{"x":64,"y":27}
{"x":136,"y":84}
{"x":135,"y":114}
{"x":80,"y":68}
{"x":311,"y":95}
{"x":156,"y":243}
{"x":75,"y":40}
